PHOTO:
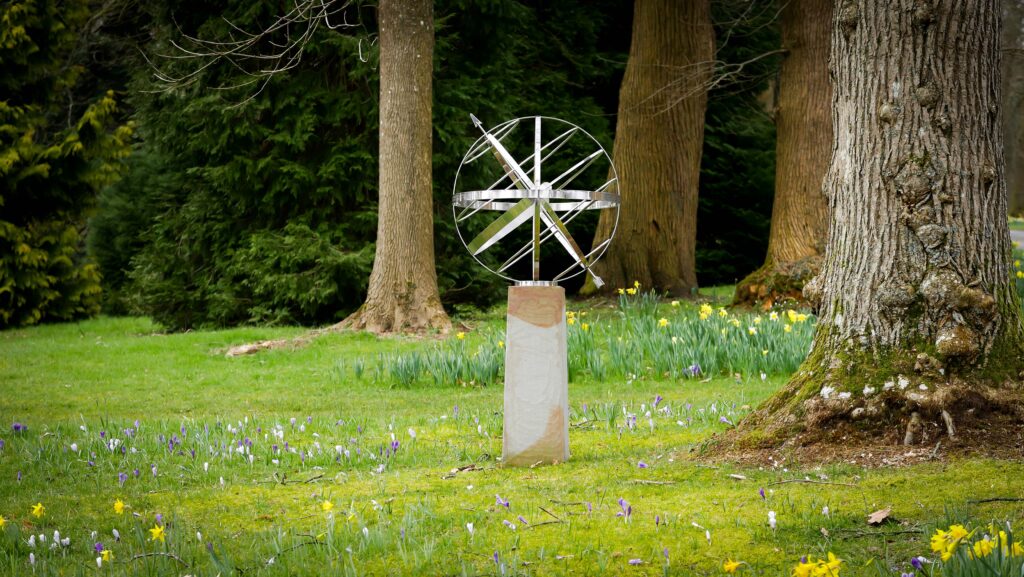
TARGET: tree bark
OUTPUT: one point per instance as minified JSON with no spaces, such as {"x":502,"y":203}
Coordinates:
{"x":919,"y":321}
{"x":402,"y":294}
{"x":1013,"y":102}
{"x":803,"y":146}
{"x":658,"y":142}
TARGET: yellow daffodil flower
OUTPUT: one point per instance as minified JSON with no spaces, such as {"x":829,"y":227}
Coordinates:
{"x":1020,"y":274}
{"x":982,"y":548}
{"x":1016,"y":263}
{"x":107,"y":554}
{"x":731,"y":566}
{"x":326,"y":505}
{"x":791,"y":315}
{"x":501,"y":344}
{"x":38,"y":510}
{"x":773,"y":316}
{"x":631,"y":291}
{"x":829,"y":568}
{"x":119,"y":507}
{"x":571,"y":320}
{"x":788,"y":328}
{"x":636,"y":284}
{"x":735,"y":322}
{"x":764,"y":352}
{"x":958,"y":532}
{"x":757,"y":320}
{"x":752,"y":330}
{"x":663,"y":322}
{"x":801,"y":317}
{"x":157,"y":533}
{"x":621,"y":291}
{"x":2,"y":521}
{"x":460,"y":335}
{"x":584,"y":326}
{"x":674,"y":303}
{"x":722,"y":312}
{"x":724,"y":331}
{"x":804,"y":569}
{"x":1018,"y":550}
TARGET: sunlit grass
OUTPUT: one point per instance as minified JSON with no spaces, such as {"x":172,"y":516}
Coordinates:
{"x":241,"y":488}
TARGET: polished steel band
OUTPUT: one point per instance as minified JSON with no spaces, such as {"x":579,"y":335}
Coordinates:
{"x":486,"y":199}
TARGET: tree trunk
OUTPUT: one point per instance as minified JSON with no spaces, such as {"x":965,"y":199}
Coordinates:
{"x":658,"y":141}
{"x":403,"y":294}
{"x":804,"y":128}
{"x":919,"y":332}
{"x":1013,"y":102}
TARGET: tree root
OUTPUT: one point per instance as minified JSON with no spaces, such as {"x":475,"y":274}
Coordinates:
{"x":775,"y":283}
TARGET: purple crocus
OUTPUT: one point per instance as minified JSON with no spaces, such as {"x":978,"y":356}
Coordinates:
{"x":590,"y":506}
{"x":159,"y":519}
{"x":627,"y":510}
{"x":136,"y":472}
{"x":657,"y":400}
{"x":154,"y":469}
{"x":455,"y":412}
{"x":657,"y":520}
{"x":496,"y":558}
{"x":636,"y":561}
{"x":761,"y":492}
{"x":121,"y":478}
{"x":18,"y":427}
{"x":695,"y":370}
{"x":911,"y":574}
{"x":642,"y":465}
{"x":523,"y":520}
{"x":917,"y":562}
{"x":724,"y":419}
{"x":1,"y":444}
{"x":309,"y":420}
{"x":502,"y":502}
{"x":98,"y":547}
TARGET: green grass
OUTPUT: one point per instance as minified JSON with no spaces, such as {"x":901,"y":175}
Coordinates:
{"x":68,"y":383}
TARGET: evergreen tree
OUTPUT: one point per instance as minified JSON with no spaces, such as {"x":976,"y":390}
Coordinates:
{"x":58,"y":147}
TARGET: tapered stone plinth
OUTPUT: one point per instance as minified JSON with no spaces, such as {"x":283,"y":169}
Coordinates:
{"x":536,"y":377}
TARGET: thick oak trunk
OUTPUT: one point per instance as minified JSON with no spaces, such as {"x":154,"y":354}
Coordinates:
{"x":403,"y":293}
{"x":804,"y":128}
{"x":658,"y":142}
{"x":919,"y":333}
{"x":1013,"y":102}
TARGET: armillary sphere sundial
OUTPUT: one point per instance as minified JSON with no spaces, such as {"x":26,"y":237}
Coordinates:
{"x":547,"y":177}
{"x":550,"y":177}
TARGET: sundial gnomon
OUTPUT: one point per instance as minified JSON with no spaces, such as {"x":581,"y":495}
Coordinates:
{"x":521,"y":189}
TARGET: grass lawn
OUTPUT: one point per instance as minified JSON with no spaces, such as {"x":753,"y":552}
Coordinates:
{"x":309,"y":461}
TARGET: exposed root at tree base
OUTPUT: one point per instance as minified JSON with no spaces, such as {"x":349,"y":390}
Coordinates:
{"x":774,"y":284}
{"x":958,"y":421}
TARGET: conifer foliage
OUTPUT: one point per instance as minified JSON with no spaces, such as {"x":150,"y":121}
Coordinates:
{"x":58,"y":147}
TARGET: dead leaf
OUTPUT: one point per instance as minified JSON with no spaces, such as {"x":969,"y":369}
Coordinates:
{"x":824,"y":532}
{"x":879,"y":516}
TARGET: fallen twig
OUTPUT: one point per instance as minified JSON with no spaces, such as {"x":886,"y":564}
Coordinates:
{"x":159,"y":554}
{"x":650,"y":482}
{"x":997,"y":500}
{"x":550,"y":513}
{"x":546,"y":523}
{"x":863,"y":533}
{"x":812,"y":482}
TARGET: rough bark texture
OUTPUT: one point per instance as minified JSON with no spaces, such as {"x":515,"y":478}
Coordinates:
{"x":658,"y":142}
{"x":804,"y":127}
{"x":1013,"y":102}
{"x":403,"y":293}
{"x":919,"y":322}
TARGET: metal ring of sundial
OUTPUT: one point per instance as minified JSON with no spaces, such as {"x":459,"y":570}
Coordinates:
{"x":522,"y":194}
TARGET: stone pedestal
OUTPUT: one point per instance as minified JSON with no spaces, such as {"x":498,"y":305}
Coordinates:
{"x":536,"y":377}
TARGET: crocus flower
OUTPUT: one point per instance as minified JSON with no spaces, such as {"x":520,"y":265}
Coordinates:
{"x":761,"y":492}
{"x":502,"y":502}
{"x":642,"y":465}
{"x":694,"y":369}
{"x":523,"y":520}
{"x":18,"y":427}
{"x":918,"y":562}
{"x":657,"y":399}
{"x":469,"y":527}
{"x":159,"y":519}
{"x":509,"y":524}
{"x":771,"y":519}
{"x":121,"y":478}
{"x":627,"y":510}
{"x":1,"y":444}
{"x":636,"y":561}
{"x":116,"y":534}
{"x":98,"y":547}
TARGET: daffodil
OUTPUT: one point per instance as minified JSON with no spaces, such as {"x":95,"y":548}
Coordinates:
{"x":571,"y":320}
{"x":731,"y":566}
{"x":722,"y":312}
{"x":788,"y":328}
{"x":773,"y":316}
{"x":107,"y":554}
{"x":801,"y":317}
{"x":585,"y":327}
{"x":752,"y":330}
{"x":501,"y":344}
{"x":631,"y":291}
{"x":804,"y":568}
{"x":828,"y":568}
{"x":958,"y":532}
{"x":2,"y":521}
{"x":460,"y":335}
{"x":982,"y":548}
{"x":1018,"y":550}
{"x":621,"y":291}
{"x":38,"y":510}
{"x":157,"y":533}
{"x":119,"y":507}
{"x":791,"y":315}
{"x":636,"y":284}
{"x":735,"y":322}
{"x":326,"y":505}
{"x":757,"y":320}
{"x":764,"y":352}
{"x":675,"y":303}
{"x":662,"y":322}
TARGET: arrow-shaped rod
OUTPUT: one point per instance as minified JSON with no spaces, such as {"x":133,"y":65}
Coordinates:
{"x":509,"y":163}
